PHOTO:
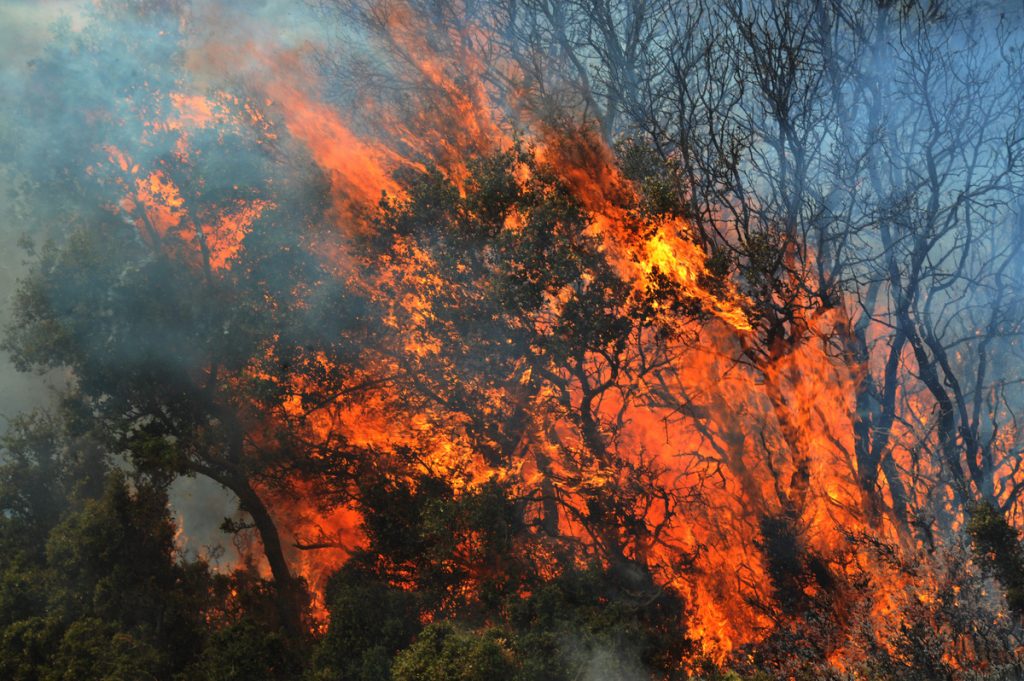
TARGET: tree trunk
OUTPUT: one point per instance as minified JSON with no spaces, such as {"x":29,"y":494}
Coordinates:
{"x":290,"y":595}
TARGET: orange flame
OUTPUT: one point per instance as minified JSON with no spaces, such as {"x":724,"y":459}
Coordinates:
{"x":739,"y":432}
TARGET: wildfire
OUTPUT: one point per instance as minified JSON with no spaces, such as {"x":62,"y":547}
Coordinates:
{"x":752,"y":440}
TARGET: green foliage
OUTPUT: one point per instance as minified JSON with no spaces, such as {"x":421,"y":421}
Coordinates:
{"x":91,"y":586}
{"x":94,"y":650}
{"x":659,"y":181}
{"x":246,"y":650}
{"x":435,"y":541}
{"x":27,"y":646}
{"x":370,"y":621}
{"x":591,"y":617}
{"x":425,"y":542}
{"x":444,"y":652}
{"x":997,"y":547}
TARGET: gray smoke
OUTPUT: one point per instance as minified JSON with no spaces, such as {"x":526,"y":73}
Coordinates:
{"x":26,"y":28}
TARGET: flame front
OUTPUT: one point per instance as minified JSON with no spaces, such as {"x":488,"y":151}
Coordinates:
{"x":752,"y":434}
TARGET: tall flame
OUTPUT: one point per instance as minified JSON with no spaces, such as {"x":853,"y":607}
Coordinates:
{"x":743,"y":434}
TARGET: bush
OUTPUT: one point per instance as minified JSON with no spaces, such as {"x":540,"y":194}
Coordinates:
{"x":443,"y":652}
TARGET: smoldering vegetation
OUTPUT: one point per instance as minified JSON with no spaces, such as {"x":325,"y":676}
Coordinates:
{"x":419,"y":340}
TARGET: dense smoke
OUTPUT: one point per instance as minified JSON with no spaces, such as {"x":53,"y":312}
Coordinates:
{"x":27,"y":30}
{"x":23,"y":34}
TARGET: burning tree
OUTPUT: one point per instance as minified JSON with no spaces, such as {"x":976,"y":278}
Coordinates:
{"x":610,"y":338}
